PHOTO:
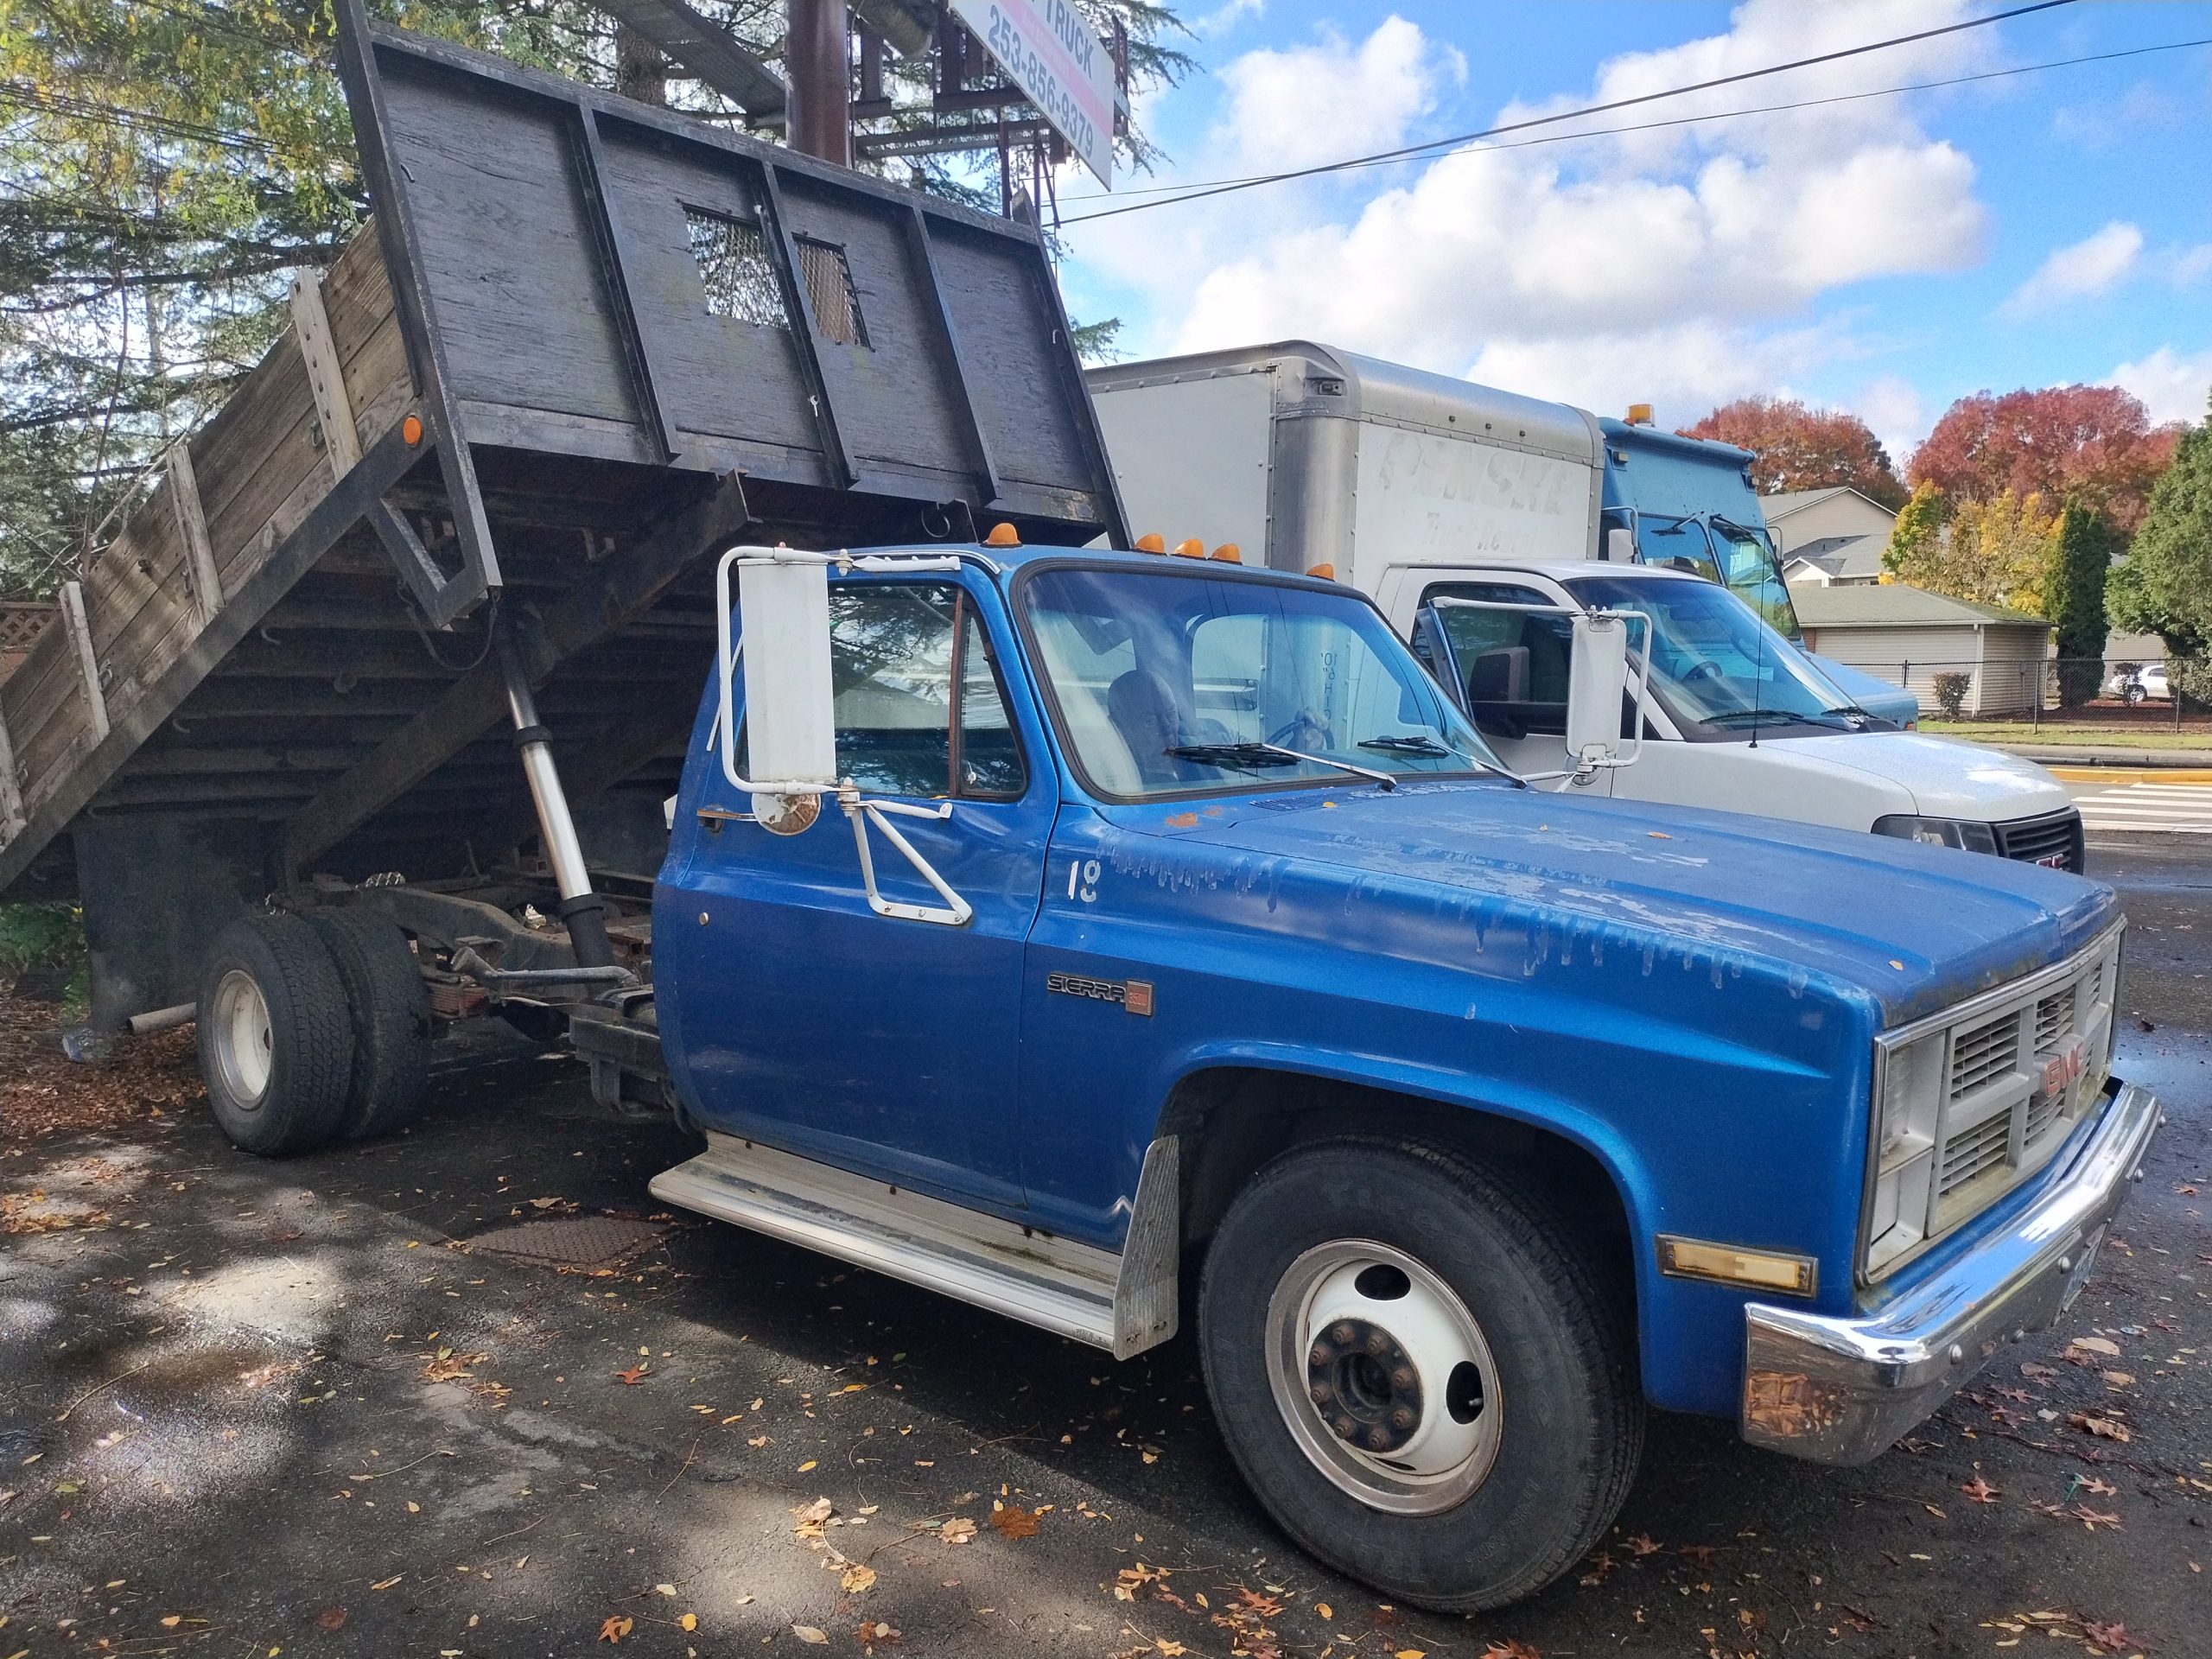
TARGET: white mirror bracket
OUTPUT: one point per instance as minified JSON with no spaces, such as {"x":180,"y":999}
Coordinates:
{"x":955,"y":911}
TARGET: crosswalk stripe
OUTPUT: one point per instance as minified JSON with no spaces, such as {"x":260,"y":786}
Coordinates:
{"x":2168,"y":809}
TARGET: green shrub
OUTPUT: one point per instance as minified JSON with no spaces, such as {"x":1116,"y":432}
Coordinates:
{"x":42,"y":952}
{"x":1951,"y":693}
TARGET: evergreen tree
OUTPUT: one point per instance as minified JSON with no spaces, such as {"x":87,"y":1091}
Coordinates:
{"x":2074,"y":601}
{"x":2164,"y":586}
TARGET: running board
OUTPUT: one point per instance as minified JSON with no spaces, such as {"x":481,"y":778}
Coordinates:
{"x":1123,"y":1303}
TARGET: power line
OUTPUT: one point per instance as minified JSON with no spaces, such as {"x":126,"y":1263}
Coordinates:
{"x":1572,"y":115}
{"x":1673,"y":121}
{"x":75,"y":109}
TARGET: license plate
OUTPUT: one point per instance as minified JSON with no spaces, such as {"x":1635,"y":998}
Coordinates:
{"x":2082,"y":1265}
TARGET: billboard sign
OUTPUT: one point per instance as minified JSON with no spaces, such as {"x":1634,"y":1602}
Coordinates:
{"x":1067,"y":71}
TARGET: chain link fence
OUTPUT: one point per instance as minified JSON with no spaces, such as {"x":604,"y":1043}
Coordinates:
{"x":2148,"y":694}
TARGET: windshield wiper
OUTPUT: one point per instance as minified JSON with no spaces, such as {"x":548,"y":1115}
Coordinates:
{"x":1268,"y":754}
{"x":1418,"y":744}
{"x":1765,"y":716}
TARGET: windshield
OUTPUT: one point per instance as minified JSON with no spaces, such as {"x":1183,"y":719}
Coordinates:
{"x":1735,"y":556}
{"x":1715,"y":665}
{"x":1166,"y":684}
{"x":1748,"y":568}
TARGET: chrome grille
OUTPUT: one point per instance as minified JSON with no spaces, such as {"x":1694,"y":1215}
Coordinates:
{"x":1987,"y":1051}
{"x":2054,"y":839}
{"x":2054,"y":1020}
{"x":1969,"y":1152}
{"x":1964,"y":1101}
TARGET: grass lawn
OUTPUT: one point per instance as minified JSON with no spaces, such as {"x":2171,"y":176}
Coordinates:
{"x":2057,"y":734}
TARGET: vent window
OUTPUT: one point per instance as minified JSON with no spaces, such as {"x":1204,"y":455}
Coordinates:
{"x":734,"y":268}
{"x":828,"y":278}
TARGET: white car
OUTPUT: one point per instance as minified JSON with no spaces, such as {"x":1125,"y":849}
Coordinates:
{"x":2140,"y":681}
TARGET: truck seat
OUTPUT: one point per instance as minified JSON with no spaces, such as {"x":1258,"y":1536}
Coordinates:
{"x":1145,"y":713}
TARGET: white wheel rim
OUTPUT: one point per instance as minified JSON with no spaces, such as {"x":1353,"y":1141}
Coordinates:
{"x":1383,"y":1378}
{"x":245,"y":1044}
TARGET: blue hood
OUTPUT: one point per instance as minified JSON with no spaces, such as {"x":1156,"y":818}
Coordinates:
{"x":1916,"y":928}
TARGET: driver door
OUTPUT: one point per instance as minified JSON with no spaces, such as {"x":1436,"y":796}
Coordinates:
{"x":877,"y":1043}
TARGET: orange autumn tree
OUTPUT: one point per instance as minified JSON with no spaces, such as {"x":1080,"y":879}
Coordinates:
{"x":1801,"y":447}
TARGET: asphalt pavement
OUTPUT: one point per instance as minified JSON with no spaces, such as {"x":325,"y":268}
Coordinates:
{"x":310,"y":1408}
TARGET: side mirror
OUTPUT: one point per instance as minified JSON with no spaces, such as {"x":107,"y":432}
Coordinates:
{"x":1598,"y":678}
{"x":1620,"y":545}
{"x":791,"y":731}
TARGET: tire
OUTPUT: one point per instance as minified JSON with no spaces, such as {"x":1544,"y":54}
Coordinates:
{"x":1529,"y":1424}
{"x":390,"y":1007}
{"x":275,"y":1042}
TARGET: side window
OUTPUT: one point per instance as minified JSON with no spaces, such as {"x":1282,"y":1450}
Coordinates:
{"x":896,"y":652}
{"x":1512,"y":666}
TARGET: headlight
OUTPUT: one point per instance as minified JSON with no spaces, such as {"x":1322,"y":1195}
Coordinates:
{"x":1908,"y":1091}
{"x":1938,"y":832}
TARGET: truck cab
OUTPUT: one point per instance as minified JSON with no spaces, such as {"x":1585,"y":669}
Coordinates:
{"x":1689,"y":504}
{"x":1734,"y":712}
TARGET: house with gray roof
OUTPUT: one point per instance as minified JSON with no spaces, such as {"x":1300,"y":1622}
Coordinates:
{"x":1909,"y":636}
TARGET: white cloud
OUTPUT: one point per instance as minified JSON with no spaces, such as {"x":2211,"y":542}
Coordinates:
{"x":1682,"y":265}
{"x":2186,"y":267}
{"x":2172,"y":387}
{"x":1373,"y":93}
{"x":2081,"y":269}
{"x":1899,"y":416}
{"x":1227,"y":15}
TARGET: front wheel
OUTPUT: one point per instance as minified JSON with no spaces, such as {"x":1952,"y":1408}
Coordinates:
{"x":1418,"y":1372}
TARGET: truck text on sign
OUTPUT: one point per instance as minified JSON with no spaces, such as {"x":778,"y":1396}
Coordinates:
{"x":1067,"y":71}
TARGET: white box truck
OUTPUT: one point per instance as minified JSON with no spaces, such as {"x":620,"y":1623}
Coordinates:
{"x":1474,"y":517}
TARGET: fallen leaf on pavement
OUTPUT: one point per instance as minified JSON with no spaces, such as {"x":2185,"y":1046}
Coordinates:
{"x":614,"y":1630}
{"x":634,"y":1375}
{"x":1643,"y":1544}
{"x":1510,"y":1650}
{"x":1981,"y":1491}
{"x":958,"y":1530}
{"x":872,"y":1630}
{"x":809,"y":1635}
{"x":857,"y":1579}
{"x":386,"y":1584}
{"x":1013,"y":1522}
{"x":2106,"y":1638}
{"x":2104,"y":1346}
{"x":689,"y":1621}
{"x":2103,"y":1427}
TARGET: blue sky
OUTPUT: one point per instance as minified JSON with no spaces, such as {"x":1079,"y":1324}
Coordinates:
{"x":1885,"y":255}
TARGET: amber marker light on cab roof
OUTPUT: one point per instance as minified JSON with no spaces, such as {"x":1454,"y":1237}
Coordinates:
{"x":1190,"y":547}
{"x":1002,"y":535}
{"x":1151,"y":541}
{"x":1326,"y":572}
{"x":1228,"y":553}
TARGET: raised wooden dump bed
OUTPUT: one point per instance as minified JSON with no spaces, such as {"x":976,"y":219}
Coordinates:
{"x":587,"y":343}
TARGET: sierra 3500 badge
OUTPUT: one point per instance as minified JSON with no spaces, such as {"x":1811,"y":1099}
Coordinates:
{"x":1134,"y":995}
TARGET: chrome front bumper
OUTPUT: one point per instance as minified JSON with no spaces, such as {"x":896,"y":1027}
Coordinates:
{"x":1844,"y":1390}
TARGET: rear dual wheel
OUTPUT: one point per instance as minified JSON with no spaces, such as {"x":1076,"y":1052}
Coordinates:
{"x":311,"y":1029}
{"x":1419,"y":1372}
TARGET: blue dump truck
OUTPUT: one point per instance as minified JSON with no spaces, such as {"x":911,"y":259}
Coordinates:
{"x":1123,"y":942}
{"x":1690,"y":500}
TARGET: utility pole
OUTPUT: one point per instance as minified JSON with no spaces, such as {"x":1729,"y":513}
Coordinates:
{"x":817,"y":62}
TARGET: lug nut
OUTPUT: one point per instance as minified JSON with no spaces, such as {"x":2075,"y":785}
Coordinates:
{"x":1377,"y":1344}
{"x":1342,"y":1333}
{"x":1402,"y":1377}
{"x":1346,"y":1429}
{"x":1322,"y":1394}
{"x":1403,"y":1418}
{"x":1379,"y":1438}
{"x":1322,"y":1355}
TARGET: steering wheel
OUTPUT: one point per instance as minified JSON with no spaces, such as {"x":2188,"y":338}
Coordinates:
{"x":1307,"y":721}
{"x":1702,"y":671}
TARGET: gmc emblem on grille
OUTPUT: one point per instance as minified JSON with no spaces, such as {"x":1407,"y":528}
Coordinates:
{"x":2060,"y":1070}
{"x":1134,"y":995}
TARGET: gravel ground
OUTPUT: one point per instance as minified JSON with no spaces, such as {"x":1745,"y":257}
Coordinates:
{"x":248,"y":1407}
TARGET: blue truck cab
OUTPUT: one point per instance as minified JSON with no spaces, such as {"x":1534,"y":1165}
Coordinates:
{"x":1691,"y":501}
{"x":1160,"y":944}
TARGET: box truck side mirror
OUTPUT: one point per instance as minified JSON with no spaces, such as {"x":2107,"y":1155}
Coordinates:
{"x":1620,"y":545}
